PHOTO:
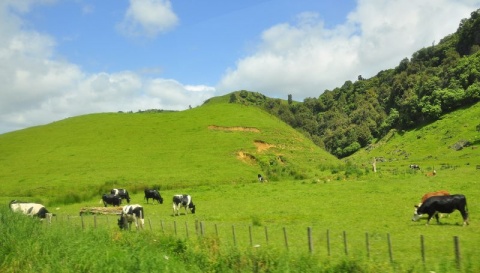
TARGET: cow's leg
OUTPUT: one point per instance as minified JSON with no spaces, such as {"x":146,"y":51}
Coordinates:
{"x":437,"y":218}
{"x":175,"y":210}
{"x":465,"y":217}
{"x":135,"y":220}
{"x":429,"y":218}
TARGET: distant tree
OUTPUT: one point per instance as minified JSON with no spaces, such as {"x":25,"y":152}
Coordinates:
{"x":233,"y":98}
{"x":290,"y":100}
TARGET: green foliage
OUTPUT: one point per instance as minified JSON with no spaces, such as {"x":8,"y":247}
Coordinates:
{"x":434,"y":81}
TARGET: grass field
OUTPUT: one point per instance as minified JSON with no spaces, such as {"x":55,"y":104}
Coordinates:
{"x":214,"y":154}
{"x":380,"y":205}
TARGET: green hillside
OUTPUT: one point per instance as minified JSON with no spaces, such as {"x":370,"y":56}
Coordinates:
{"x":217,"y":143}
{"x":452,"y":140}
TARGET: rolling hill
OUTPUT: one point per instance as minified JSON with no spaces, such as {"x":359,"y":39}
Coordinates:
{"x":216,"y":143}
{"x":452,"y":140}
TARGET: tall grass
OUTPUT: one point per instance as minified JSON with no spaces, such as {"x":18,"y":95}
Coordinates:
{"x":30,"y":245}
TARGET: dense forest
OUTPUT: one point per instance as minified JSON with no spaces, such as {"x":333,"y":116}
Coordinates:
{"x":434,"y":81}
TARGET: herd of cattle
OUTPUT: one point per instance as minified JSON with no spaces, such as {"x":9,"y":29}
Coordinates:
{"x":130,"y":213}
{"x":432,"y":204}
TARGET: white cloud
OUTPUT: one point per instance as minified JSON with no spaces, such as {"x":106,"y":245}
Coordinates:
{"x":305,"y":58}
{"x":36,"y":88}
{"x":148,"y":18}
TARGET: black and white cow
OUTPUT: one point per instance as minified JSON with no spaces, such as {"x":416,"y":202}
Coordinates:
{"x":182,"y":200}
{"x":260,"y":178}
{"x":31,"y":209}
{"x":123,"y":193}
{"x":111,"y":199}
{"x":414,"y":167}
{"x":131,"y":213}
{"x":154,"y":194}
{"x":442,"y":204}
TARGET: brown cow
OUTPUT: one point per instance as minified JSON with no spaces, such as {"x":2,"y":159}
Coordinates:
{"x":435,"y":193}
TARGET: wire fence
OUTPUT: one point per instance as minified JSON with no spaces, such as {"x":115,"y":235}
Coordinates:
{"x":325,"y":243}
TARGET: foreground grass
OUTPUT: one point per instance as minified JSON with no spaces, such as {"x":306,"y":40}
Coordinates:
{"x":29,"y":245}
{"x":379,"y":204}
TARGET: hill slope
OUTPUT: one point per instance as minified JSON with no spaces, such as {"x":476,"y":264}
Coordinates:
{"x":213,"y":144}
{"x":450,"y":141}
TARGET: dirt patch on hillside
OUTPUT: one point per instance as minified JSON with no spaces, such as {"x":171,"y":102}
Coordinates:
{"x":246,"y":157}
{"x":234,"y":128}
{"x":262,"y":145}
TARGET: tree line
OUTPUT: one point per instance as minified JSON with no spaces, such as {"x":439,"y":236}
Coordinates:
{"x":435,"y":80}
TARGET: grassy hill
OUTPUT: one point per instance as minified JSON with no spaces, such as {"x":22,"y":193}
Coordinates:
{"x":451,"y":141}
{"x":217,"y":143}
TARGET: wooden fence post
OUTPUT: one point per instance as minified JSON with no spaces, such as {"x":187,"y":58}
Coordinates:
{"x":310,"y":241}
{"x":83,"y":224}
{"x":95,"y":221}
{"x":266,"y":234}
{"x":367,"y":244}
{"x":161,"y":223}
{"x":390,"y":251}
{"x":234,"y":239}
{"x":250,"y":234}
{"x":216,"y":230}
{"x":175,"y":227}
{"x":285,"y":236}
{"x":186,"y":228}
{"x":202,"y":228}
{"x":345,"y":242}
{"x":150,"y":224}
{"x":422,"y":248}
{"x":456,"y":244}
{"x":196,"y":227}
{"x":328,"y":242}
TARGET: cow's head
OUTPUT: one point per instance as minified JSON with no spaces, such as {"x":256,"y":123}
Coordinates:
{"x":192,"y":208}
{"x":416,"y":215}
{"x":159,"y":197}
{"x":122,"y":222}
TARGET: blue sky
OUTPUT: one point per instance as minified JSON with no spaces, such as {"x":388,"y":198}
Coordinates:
{"x":65,"y":58}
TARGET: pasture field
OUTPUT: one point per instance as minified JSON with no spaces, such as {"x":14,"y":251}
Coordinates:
{"x":214,"y":153}
{"x":377,"y":204}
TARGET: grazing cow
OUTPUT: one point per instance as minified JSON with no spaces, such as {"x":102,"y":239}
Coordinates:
{"x":182,"y":200}
{"x":111,"y":199}
{"x":154,"y":194}
{"x":430,"y":194}
{"x":414,"y":167}
{"x":31,"y":209}
{"x":123,"y":193}
{"x":131,"y":213}
{"x":443,"y":204}
{"x":260,"y":178}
